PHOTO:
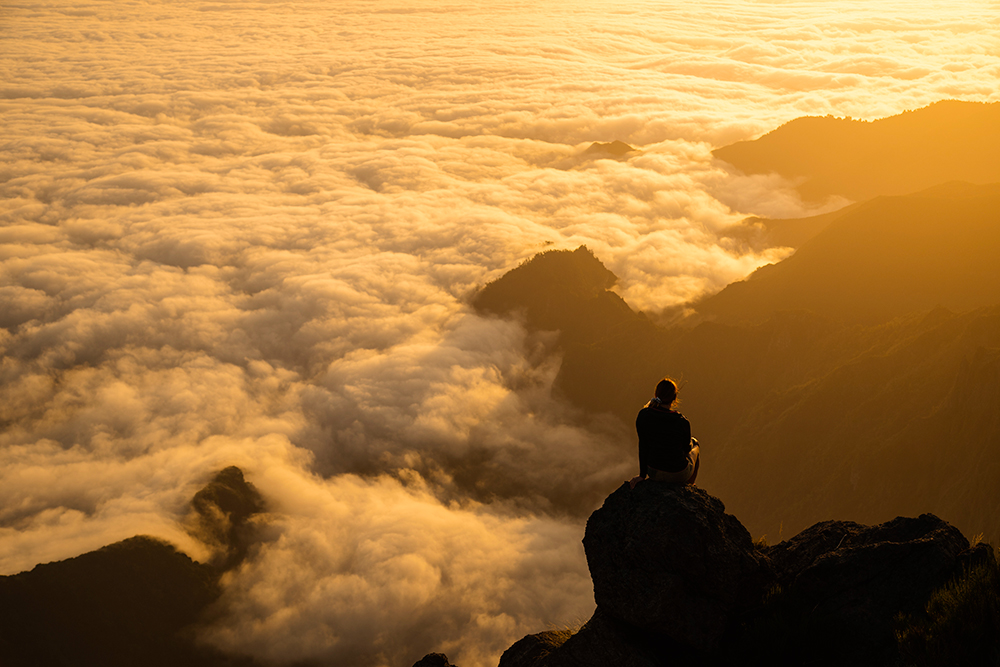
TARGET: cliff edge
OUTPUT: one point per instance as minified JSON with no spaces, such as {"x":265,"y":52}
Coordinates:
{"x":677,"y":580}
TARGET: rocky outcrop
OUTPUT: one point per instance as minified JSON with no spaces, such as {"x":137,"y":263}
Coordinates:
{"x":844,"y":569}
{"x":221,"y":516}
{"x":668,"y":559}
{"x":433,"y":660}
{"x":678,"y":580}
{"x":532,"y":650}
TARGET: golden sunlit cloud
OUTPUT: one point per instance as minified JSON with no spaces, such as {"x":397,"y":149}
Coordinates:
{"x":247,"y":233}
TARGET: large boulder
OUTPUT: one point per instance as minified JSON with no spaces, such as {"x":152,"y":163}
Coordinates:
{"x":679,"y":581}
{"x":668,"y":560}
{"x":842,"y":585}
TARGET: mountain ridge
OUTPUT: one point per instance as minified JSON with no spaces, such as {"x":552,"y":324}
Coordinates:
{"x":133,"y":602}
{"x":826,"y":156}
{"x":887,"y":257}
{"x":820,"y":407}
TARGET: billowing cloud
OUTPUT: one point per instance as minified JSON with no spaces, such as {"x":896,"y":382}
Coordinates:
{"x":247,"y":233}
{"x":379,"y":572}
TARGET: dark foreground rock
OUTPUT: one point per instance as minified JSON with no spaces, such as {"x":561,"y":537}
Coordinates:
{"x":668,"y":559}
{"x":679,"y":581}
{"x":841,"y":585}
{"x":532,"y":650}
{"x":603,"y":640}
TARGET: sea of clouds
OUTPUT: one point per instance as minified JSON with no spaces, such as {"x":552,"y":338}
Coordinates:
{"x":246,"y":233}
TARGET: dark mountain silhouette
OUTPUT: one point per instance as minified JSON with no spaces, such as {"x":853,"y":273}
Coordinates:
{"x":221,"y":515}
{"x":569,"y":292}
{"x":677,"y":580}
{"x":433,"y":660}
{"x":134,"y":602}
{"x":614,"y":149}
{"x":885,"y":258}
{"x":801,"y":416}
{"x":946,"y":141}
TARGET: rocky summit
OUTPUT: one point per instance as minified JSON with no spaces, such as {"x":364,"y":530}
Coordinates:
{"x":668,"y":559}
{"x":677,"y":580}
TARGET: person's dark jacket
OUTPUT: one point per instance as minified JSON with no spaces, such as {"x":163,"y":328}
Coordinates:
{"x":664,"y":439}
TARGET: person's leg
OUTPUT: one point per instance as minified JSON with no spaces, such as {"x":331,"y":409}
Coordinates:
{"x":696,"y":455}
{"x":679,"y":477}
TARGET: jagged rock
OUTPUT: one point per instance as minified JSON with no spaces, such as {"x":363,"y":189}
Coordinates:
{"x":980,"y":553}
{"x":433,"y":660}
{"x":532,"y":650}
{"x":667,"y":559}
{"x":220,"y":516}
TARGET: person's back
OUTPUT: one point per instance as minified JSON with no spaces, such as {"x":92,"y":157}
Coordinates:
{"x":667,"y":452}
{"x":664,"y":437}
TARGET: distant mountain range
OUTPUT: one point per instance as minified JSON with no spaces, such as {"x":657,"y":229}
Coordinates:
{"x":881,"y":259}
{"x":857,"y":379}
{"x":947,"y":141}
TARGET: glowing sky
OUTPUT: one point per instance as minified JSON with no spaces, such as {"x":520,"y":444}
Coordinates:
{"x":246,"y":233}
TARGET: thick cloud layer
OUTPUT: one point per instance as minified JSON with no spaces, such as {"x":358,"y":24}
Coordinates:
{"x":246,"y":233}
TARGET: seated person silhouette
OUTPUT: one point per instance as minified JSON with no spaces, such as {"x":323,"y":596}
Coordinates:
{"x":667,"y":452}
